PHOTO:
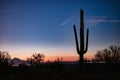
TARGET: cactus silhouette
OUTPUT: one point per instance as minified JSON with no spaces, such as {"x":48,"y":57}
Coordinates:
{"x":81,"y":51}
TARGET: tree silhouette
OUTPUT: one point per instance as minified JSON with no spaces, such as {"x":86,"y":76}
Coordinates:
{"x":109,"y":55}
{"x":36,"y":59}
{"x":4,"y":57}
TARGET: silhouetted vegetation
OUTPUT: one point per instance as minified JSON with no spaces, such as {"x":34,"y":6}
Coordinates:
{"x":60,"y":70}
{"x":36,"y":59}
{"x":108,"y":55}
{"x":4,"y":57}
{"x":67,"y":71}
{"x":58,"y":60}
{"x":81,"y":51}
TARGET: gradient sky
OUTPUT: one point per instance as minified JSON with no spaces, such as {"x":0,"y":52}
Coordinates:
{"x":46,"y":26}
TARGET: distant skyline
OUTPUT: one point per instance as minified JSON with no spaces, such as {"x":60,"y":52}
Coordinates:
{"x":46,"y":26}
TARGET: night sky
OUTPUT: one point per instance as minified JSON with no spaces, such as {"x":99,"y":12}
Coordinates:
{"x":46,"y":26}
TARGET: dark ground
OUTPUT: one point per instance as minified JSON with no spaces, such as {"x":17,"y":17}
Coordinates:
{"x":62,"y":72}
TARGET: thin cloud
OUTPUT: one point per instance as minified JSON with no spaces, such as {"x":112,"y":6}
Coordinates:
{"x":100,"y":19}
{"x":117,"y":21}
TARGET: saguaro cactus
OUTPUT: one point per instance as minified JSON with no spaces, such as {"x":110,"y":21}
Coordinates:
{"x":82,"y":50}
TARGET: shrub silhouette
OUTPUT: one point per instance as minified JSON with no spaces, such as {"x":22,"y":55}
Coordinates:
{"x":58,"y":60}
{"x":81,"y":51}
{"x":4,"y":58}
{"x":109,"y":55}
{"x":36,"y":59}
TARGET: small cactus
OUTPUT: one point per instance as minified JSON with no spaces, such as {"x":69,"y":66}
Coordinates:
{"x":81,"y":51}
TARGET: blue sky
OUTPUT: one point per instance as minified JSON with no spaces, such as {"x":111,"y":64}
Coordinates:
{"x":28,"y":26}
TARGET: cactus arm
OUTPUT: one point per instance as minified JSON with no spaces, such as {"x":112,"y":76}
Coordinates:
{"x":87,"y":35}
{"x":76,"y":39}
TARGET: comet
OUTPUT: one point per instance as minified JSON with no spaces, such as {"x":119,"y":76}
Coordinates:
{"x":66,"y":21}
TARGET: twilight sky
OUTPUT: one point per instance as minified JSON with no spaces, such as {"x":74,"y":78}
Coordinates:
{"x":46,"y":26}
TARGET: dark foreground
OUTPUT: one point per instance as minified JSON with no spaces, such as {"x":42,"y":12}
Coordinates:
{"x":62,"y":72}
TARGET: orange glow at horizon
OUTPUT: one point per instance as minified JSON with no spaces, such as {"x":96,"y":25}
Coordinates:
{"x":64,"y":58}
{"x":73,"y":57}
{"x":51,"y":52}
